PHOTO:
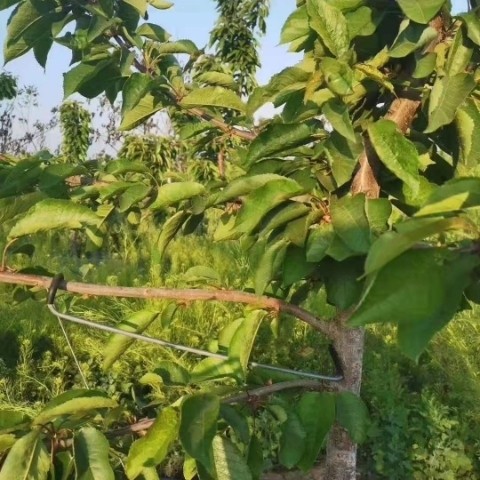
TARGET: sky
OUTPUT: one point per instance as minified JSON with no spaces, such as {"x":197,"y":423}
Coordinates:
{"x":191,"y":19}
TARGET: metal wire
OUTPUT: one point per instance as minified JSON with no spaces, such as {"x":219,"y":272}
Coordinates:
{"x":72,"y":351}
{"x":183,"y":348}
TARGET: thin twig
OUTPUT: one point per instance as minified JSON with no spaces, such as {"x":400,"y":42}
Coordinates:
{"x":180,"y":295}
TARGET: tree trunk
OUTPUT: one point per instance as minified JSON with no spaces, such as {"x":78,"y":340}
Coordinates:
{"x":341,"y":461}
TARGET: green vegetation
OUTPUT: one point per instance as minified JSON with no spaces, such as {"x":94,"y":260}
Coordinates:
{"x":312,"y":241}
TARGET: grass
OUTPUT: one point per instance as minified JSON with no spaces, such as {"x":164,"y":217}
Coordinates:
{"x":425,"y":417}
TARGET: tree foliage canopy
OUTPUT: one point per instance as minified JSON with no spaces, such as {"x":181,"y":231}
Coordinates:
{"x":366,"y":183}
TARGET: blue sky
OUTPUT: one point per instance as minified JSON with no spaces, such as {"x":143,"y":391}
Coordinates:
{"x":191,"y":19}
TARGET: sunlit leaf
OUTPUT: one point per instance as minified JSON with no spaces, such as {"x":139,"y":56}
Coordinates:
{"x":229,"y":462}
{"x":213,"y":97}
{"x":421,"y":11}
{"x":172,"y":193}
{"x":331,"y":25}
{"x":28,"y":459}
{"x":53,"y":214}
{"x":118,"y":344}
{"x":91,"y":450}
{"x":151,"y":449}
{"x":448,"y":93}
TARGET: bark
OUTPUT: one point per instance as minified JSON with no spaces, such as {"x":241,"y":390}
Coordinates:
{"x":341,"y":462}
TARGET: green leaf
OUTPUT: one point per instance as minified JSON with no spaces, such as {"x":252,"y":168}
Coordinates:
{"x":244,"y":185}
{"x":316,"y":412}
{"x":172,"y":373}
{"x":98,"y":26}
{"x":91,"y":450}
{"x":337,"y":114}
{"x":218,"y":78}
{"x":132,"y":195}
{"x":459,"y":54}
{"x":392,"y":244}
{"x":283,"y":215}
{"x":82,"y":74}
{"x":30,"y":27}
{"x":213,"y":368}
{"x":473,"y":26}
{"x":352,"y":415}
{"x":6,"y":441}
{"x":255,"y":457}
{"x":342,"y":282}
{"x":10,"y":419}
{"x":117,"y":344}
{"x":397,"y":153}
{"x":452,"y":196}
{"x":53,"y":214}
{"x":237,"y":420}
{"x":421,"y":11}
{"x":331,"y":25}
{"x":74,"y":402}
{"x":318,"y":242}
{"x":213,"y":97}
{"x":264,"y":199}
{"x":411,"y":37}
{"x":278,"y":138}
{"x":413,"y":337}
{"x":295,"y":266}
{"x":191,"y":130}
{"x":296,"y":26}
{"x":145,"y":108}
{"x":153,"y":32}
{"x":338,"y":76}
{"x":134,"y":89}
{"x":198,"y":425}
{"x":123,"y":165}
{"x":292,"y":441}
{"x":160,"y":4}
{"x":4,"y":4}
{"x":467,"y":121}
{"x":420,"y":291}
{"x":362,"y":22}
{"x":350,"y":222}
{"x":229,"y":463}
{"x":28,"y":459}
{"x":12,"y":206}
{"x":289,"y":80}
{"x":151,"y":450}
{"x":179,"y":46}
{"x":425,"y":65}
{"x":172,"y":193}
{"x":448,"y":94}
{"x":243,"y":339}
{"x":169,"y":230}
{"x":378,"y":212}
{"x":139,"y":5}
{"x":342,"y":156}
{"x":269,"y":265}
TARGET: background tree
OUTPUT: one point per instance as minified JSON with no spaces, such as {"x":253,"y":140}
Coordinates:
{"x":75,"y":122}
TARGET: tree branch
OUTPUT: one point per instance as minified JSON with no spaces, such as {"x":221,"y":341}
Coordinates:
{"x":402,"y":111}
{"x":244,"y":134}
{"x":260,"y":392}
{"x":180,"y":295}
